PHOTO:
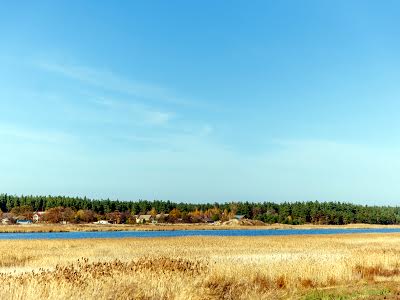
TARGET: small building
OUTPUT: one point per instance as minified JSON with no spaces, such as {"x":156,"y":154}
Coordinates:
{"x":5,"y":221}
{"x":24,"y":222}
{"x":144,"y":219}
{"x":208,"y":220}
{"x":102,"y":222}
{"x":38,"y":216}
{"x":239,"y":217}
{"x":158,"y":216}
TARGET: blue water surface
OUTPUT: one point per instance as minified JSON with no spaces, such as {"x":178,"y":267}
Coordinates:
{"x":178,"y":233}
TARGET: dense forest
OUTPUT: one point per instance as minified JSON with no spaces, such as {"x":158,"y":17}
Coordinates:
{"x":315,"y":212}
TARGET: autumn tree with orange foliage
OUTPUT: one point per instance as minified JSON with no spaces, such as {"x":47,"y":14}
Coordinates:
{"x":59,"y":214}
{"x":85,"y":215}
{"x":25,"y":212}
{"x":174,"y":215}
{"x":213,"y":213}
{"x":153,"y":212}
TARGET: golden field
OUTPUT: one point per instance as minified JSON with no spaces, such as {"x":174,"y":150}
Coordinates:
{"x":362,"y":266}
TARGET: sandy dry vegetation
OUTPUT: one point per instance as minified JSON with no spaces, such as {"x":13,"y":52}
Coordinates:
{"x":303,"y":267}
{"x":43,"y":227}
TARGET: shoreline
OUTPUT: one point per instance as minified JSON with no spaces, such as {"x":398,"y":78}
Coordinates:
{"x":172,"y":227}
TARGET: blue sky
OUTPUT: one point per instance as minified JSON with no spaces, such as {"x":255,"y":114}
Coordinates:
{"x":201,"y":101}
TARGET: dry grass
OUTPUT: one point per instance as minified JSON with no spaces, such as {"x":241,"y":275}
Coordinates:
{"x":297,"y":267}
{"x":42,"y":227}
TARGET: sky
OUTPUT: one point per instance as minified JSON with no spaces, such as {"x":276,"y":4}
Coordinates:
{"x":201,"y":101}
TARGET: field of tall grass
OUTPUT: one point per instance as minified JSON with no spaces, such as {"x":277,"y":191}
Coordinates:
{"x":364,"y":266}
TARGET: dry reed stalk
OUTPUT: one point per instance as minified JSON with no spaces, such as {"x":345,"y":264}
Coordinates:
{"x":195,"y":267}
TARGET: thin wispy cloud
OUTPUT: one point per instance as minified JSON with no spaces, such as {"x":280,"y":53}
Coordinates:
{"x":113,"y":82}
{"x":192,"y":138}
{"x":124,"y":101}
{"x":149,"y":115}
{"x":158,"y":117}
{"x":23,"y":134}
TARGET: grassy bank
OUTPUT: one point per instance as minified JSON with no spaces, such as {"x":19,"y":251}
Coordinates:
{"x":151,"y":227}
{"x":298,"y":267}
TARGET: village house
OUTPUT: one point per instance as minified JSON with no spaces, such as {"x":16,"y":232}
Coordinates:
{"x":7,"y":218}
{"x":5,"y":221}
{"x":102,"y":222}
{"x":160,"y":218}
{"x":38,"y":216}
{"x":144,"y":219}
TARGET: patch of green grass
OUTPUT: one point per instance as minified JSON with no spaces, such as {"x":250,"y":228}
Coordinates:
{"x":379,"y":292}
{"x":321,"y":295}
{"x":345,"y":295}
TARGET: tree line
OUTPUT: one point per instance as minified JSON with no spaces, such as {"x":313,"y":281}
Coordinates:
{"x":314,"y":212}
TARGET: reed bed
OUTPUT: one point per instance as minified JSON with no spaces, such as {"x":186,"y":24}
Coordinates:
{"x":364,"y":266}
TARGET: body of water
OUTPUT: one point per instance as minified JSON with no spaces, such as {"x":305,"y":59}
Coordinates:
{"x":178,"y":233}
